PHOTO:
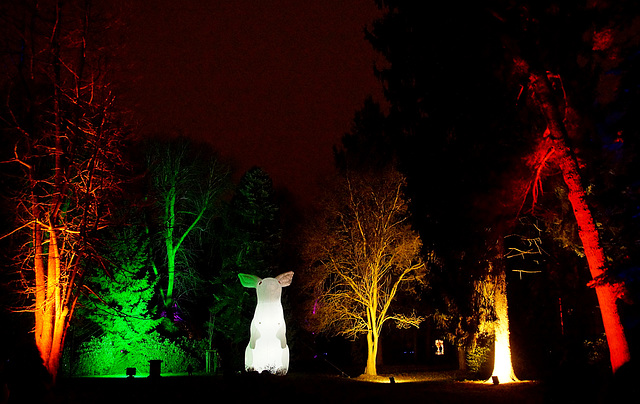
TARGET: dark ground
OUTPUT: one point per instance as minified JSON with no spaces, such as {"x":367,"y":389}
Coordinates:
{"x":426,"y":387}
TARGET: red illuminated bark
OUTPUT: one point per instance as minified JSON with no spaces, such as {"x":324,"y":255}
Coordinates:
{"x":607,"y":293}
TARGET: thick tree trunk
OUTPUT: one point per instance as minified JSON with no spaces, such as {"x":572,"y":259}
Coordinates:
{"x":502,"y":365}
{"x":607,"y":293}
{"x":372,"y":339}
{"x":51,"y":312}
{"x":587,"y":230}
{"x":372,"y":354}
{"x":40,"y":281}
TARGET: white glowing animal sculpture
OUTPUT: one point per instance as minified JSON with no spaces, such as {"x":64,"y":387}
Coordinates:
{"x":267,"y":349}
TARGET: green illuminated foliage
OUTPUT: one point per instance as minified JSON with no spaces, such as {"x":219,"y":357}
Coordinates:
{"x":120,"y":307}
{"x":122,"y":293}
{"x":112,"y":355}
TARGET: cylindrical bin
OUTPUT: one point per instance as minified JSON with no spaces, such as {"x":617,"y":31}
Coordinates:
{"x":154,"y":368}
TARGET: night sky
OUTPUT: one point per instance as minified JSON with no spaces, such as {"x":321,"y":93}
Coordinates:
{"x":274,"y":84}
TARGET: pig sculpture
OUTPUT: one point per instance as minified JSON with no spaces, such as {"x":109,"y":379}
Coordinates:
{"x":267,"y":348}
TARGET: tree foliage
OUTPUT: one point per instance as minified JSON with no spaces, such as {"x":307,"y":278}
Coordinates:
{"x":253,"y":226}
{"x":187,"y":186}
{"x":251,"y":242}
{"x":68,"y":144}
{"x":122,"y":294}
{"x":460,"y":105}
{"x":362,"y":253}
{"x":121,"y":306}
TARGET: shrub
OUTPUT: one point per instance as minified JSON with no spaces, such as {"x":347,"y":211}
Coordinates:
{"x":112,"y":355}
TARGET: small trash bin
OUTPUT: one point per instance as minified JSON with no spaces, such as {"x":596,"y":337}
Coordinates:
{"x":154,"y":368}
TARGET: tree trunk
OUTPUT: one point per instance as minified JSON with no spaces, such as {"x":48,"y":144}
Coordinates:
{"x":38,"y":266}
{"x":462,"y":357}
{"x":587,"y":230}
{"x":52,"y":312}
{"x":372,"y":353}
{"x":502,"y":366}
{"x":170,"y":222}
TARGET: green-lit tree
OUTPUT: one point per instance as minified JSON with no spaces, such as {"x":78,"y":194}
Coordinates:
{"x":187,"y":186}
{"x":120,"y":316}
{"x":122,"y":293}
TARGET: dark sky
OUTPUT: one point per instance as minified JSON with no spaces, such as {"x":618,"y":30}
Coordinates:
{"x":269,"y":83}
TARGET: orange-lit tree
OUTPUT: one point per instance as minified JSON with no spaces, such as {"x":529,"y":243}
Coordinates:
{"x":362,"y":253}
{"x":68,"y":146}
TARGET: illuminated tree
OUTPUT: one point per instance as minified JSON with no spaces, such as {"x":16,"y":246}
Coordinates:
{"x":362,"y":253}
{"x":188,"y":187}
{"x":458,"y":109}
{"x":452,"y":127}
{"x":496,"y":284}
{"x":122,"y":293}
{"x":68,"y":146}
{"x":556,"y":144}
{"x":121,"y":306}
{"x":574,"y":119}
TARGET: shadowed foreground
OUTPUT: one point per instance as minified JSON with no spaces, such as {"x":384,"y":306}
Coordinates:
{"x":306,"y":388}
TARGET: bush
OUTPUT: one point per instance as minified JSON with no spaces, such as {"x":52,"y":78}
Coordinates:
{"x":478,"y":357}
{"x":112,"y":355}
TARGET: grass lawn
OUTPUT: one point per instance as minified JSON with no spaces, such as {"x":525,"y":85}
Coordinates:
{"x":422,"y":387}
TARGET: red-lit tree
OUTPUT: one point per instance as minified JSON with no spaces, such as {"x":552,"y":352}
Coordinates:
{"x":68,"y":147}
{"x":570,"y":65}
{"x":457,"y":112}
{"x":556,"y":145}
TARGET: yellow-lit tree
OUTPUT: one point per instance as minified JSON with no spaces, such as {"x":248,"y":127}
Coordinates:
{"x":362,"y":252}
{"x":495,"y":289}
{"x":67,"y":152}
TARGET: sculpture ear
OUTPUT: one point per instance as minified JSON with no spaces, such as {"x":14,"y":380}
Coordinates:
{"x":249,"y":281}
{"x":285,"y":278}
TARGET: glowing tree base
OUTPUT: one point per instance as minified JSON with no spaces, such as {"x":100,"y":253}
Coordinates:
{"x":502,"y":366}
